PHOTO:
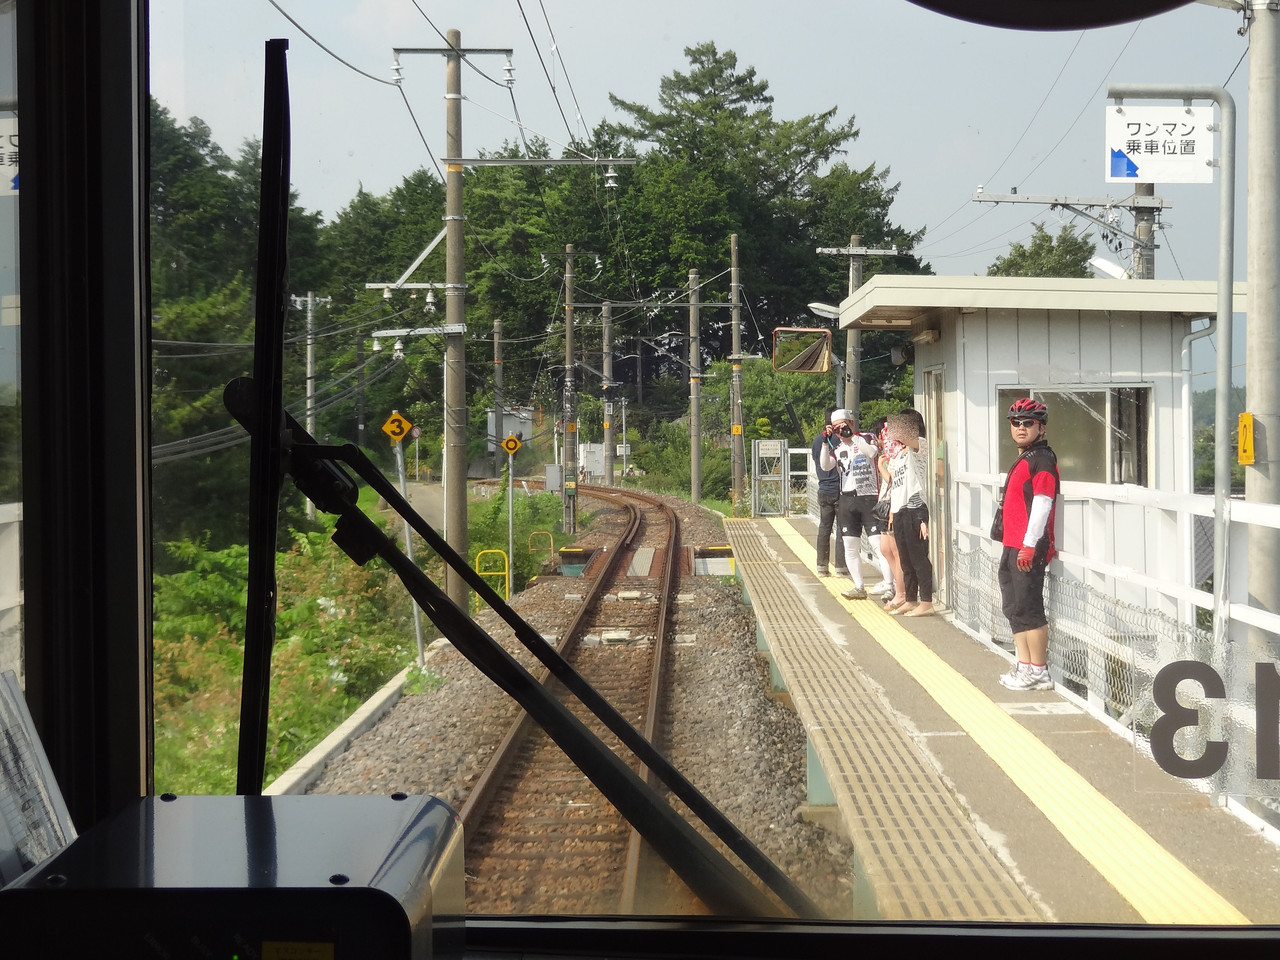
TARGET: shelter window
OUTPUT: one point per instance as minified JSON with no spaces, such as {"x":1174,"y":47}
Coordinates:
{"x":1100,"y":434}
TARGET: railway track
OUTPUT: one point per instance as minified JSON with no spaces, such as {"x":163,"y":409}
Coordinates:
{"x":541,"y":837}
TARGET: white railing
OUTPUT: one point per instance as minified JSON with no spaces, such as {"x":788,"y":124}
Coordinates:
{"x":1126,"y":609}
{"x":11,"y":587}
{"x":1127,"y":612}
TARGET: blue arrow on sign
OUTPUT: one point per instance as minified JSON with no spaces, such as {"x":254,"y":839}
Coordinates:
{"x":1122,"y":166}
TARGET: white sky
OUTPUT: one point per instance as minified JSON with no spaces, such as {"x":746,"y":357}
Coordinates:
{"x":945,"y":104}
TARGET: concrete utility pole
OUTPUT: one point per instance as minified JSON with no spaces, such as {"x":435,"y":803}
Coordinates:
{"x":853,"y":341}
{"x":606,"y":323}
{"x":310,"y":300}
{"x":1144,"y":205}
{"x":695,"y":393}
{"x":1262,"y":352}
{"x":570,"y":484}
{"x":736,"y":440}
{"x":498,"y":434}
{"x":455,"y":289}
{"x":455,"y":278}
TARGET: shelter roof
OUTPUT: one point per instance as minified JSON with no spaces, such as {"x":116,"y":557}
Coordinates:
{"x":897,"y":301}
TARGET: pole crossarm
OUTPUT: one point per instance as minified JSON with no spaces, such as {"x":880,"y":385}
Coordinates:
{"x":683,"y":305}
{"x":406,"y":286}
{"x":535,"y":162}
{"x":860,"y":251}
{"x":456,"y":51}
{"x":421,"y":331}
{"x":1081,"y":205}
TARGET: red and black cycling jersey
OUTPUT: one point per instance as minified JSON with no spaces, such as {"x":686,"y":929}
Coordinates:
{"x":1034,"y":473}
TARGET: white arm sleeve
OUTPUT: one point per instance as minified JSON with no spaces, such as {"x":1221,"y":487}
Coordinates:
{"x":826,"y":458}
{"x":1040,"y":507}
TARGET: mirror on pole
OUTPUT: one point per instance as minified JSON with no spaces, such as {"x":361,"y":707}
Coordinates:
{"x":802,"y":349}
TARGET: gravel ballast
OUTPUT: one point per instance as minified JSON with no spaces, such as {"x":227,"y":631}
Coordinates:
{"x":742,"y":749}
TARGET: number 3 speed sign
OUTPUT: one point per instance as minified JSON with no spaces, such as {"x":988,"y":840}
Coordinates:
{"x":397,"y":427}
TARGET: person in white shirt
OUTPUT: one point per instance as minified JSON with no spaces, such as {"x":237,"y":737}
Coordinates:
{"x":853,"y":455}
{"x":909,"y":519}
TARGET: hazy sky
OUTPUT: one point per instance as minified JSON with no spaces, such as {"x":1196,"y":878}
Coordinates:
{"x":944,"y":104}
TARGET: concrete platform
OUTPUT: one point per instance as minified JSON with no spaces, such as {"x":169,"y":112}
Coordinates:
{"x":968,"y":801}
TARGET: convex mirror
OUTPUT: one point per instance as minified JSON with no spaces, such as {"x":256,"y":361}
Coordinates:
{"x":801,"y":349}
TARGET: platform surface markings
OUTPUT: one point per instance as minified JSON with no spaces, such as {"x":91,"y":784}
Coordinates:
{"x":1158,"y":885}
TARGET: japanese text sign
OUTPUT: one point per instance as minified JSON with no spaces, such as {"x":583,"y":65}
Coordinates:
{"x":1159,"y":144}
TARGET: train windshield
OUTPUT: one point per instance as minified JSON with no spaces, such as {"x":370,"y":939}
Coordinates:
{"x":548,"y":274}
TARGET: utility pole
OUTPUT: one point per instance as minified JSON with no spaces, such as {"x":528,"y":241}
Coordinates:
{"x":1262,"y":351}
{"x":310,"y":300}
{"x":570,"y":484}
{"x":1143,"y":204}
{"x":455,"y":289}
{"x":695,"y":393}
{"x":455,"y":278}
{"x":498,"y":435}
{"x":606,"y":323}
{"x":736,"y":440}
{"x":853,"y":340}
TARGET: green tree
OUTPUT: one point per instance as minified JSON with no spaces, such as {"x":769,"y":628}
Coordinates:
{"x":204,"y":213}
{"x":1066,"y":256}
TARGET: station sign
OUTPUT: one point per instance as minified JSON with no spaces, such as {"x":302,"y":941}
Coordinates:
{"x":1159,"y":144}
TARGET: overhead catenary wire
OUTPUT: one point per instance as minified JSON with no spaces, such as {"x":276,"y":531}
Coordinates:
{"x":555,"y":47}
{"x":1089,"y":101}
{"x":390,"y":83}
{"x":231,"y":348}
{"x":546,"y":73}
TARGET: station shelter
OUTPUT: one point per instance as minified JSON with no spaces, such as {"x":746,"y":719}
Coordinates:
{"x":1111,"y":359}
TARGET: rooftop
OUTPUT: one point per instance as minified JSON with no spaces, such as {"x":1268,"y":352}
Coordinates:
{"x":895,"y":301}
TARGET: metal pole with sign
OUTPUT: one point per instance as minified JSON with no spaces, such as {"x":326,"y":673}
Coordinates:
{"x":1173,"y":144}
{"x":512,"y":445}
{"x":398,"y":428}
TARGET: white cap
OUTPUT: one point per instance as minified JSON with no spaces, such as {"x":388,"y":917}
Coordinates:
{"x":842,"y":414}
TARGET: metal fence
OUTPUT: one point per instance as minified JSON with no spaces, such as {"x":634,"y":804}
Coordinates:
{"x":1119,"y":628}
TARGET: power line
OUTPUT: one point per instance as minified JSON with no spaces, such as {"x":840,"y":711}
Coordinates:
{"x":461,"y":56}
{"x":312,"y":38}
{"x":555,"y":47}
{"x":545,"y":72}
{"x":1090,"y":101}
{"x":215,"y":440}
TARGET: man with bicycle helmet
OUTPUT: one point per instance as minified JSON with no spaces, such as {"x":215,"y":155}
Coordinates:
{"x":1027,"y":511}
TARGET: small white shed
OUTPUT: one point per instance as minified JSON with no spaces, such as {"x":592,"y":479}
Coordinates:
{"x":1111,"y":360}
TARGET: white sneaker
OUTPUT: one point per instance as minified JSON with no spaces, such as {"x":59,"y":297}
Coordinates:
{"x":1012,"y":677}
{"x":1029,"y":680}
{"x":881,"y":590}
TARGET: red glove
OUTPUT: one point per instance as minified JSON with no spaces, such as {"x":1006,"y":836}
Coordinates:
{"x":1025,"y":558}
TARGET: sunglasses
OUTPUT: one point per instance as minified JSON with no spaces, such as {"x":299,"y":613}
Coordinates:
{"x":1027,"y":422}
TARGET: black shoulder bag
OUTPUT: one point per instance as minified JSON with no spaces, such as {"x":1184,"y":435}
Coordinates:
{"x":997,"y":522}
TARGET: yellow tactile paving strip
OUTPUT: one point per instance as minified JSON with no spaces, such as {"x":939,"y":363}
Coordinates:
{"x":918,"y":852}
{"x":1159,"y":886}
